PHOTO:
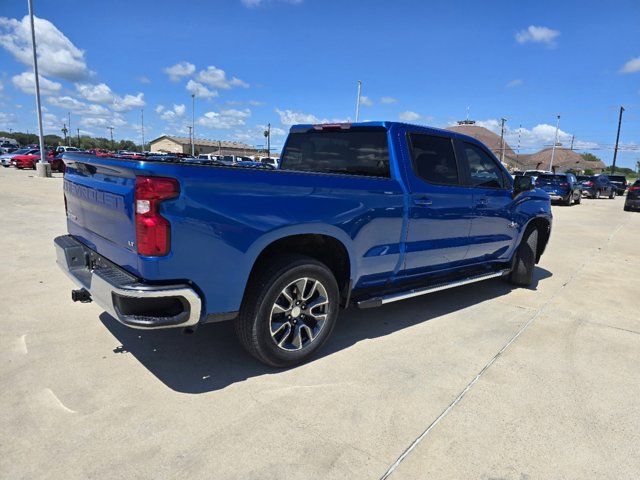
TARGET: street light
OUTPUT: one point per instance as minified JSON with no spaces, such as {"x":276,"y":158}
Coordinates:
{"x":43,"y":168}
{"x":193,"y":124}
{"x":555,"y":141}
{"x":267,"y":135}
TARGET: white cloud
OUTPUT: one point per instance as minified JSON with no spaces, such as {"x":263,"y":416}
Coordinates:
{"x":144,"y":79}
{"x":225,"y":119}
{"x":256,"y":103}
{"x":57,"y":55}
{"x":115,"y":120}
{"x":78,"y":107}
{"x":128,"y":102}
{"x":366,"y":101}
{"x":172,"y":114}
{"x":539,"y":137}
{"x":26,"y":82}
{"x":516,"y":82}
{"x":98,"y":93}
{"x":289,"y":117}
{"x":217,"y":78}
{"x":409,"y":116}
{"x":179,"y":70}
{"x":631,"y":66}
{"x":536,"y":34}
{"x":7,"y":120}
{"x":200,"y":90}
{"x":159,"y":108}
{"x":388,"y":100}
{"x":102,"y":93}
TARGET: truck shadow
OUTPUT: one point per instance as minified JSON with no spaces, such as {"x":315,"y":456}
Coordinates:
{"x":212,"y":359}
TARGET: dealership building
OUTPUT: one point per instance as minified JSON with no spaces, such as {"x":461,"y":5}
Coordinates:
{"x":171,"y":144}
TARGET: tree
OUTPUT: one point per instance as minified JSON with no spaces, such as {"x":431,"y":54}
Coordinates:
{"x":588,"y":171}
{"x":590,"y":157}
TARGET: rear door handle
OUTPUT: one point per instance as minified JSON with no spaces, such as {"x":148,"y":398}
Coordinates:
{"x":422,"y":201}
{"x":482,"y":202}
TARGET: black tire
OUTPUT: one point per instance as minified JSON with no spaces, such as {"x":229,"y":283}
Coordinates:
{"x":612,"y":195}
{"x":253,"y":325}
{"x":567,"y":202}
{"x":579,"y":199}
{"x":627,"y":209}
{"x":525,"y":260}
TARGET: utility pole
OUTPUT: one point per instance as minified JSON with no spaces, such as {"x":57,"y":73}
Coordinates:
{"x":502,"y":122}
{"x":78,"y":137}
{"x":193,"y":124}
{"x":142,"y":124}
{"x":358,"y":100}
{"x":267,"y":134}
{"x":111,"y":129}
{"x":555,"y":141}
{"x":219,"y":147}
{"x":69,"y":127}
{"x":43,"y":168}
{"x":518,"y":147}
{"x":64,"y":130}
{"x":615,"y":151}
{"x":573,"y":137}
{"x":191,"y":137}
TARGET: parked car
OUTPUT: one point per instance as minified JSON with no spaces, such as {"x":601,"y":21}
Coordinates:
{"x":269,"y":161}
{"x":65,"y":148}
{"x":560,"y":186}
{"x":8,"y":147}
{"x":346,"y":220}
{"x":534,"y":173}
{"x":7,"y":157}
{"x":100,"y":152}
{"x":598,"y":185}
{"x":29,"y":161}
{"x":620,"y":182}
{"x":632,"y":201}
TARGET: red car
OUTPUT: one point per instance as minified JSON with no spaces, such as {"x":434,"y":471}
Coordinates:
{"x":30,"y":160}
{"x":99,"y":152}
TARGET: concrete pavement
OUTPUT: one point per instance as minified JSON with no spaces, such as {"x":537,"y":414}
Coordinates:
{"x":84,"y":397}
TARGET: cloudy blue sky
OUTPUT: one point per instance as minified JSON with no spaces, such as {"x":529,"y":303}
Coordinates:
{"x":251,"y":62}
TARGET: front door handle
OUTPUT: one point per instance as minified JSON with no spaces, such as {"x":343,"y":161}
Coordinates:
{"x":422,"y":201}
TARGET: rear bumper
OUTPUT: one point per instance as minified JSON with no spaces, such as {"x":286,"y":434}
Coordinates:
{"x":126,"y":298}
{"x":632,"y":202}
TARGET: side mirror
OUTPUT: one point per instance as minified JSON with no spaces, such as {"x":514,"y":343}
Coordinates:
{"x":522,"y":183}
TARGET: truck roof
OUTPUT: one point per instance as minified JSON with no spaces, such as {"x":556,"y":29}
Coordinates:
{"x":303,"y":127}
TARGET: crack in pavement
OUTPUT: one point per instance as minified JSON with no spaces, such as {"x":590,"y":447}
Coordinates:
{"x":493,"y":359}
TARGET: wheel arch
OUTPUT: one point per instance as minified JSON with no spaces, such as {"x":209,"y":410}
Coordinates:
{"x":329,"y":247}
{"x":543,"y":224}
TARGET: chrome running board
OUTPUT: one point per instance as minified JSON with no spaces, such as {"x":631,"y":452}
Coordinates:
{"x":416,"y":292}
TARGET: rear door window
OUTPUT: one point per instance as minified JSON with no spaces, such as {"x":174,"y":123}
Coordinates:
{"x":433,"y":159}
{"x":483,"y":170}
{"x":351,"y":151}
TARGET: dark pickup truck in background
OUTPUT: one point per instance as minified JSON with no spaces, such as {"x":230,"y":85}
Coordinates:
{"x":357,"y":214}
{"x":620,"y":182}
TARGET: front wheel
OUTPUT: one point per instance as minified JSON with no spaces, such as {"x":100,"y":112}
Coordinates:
{"x":289,"y":311}
{"x":525,"y":259}
{"x":579,"y":199}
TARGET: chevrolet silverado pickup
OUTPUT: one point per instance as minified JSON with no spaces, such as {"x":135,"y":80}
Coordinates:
{"x":360,"y":214}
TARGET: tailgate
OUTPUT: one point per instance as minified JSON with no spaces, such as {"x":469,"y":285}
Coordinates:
{"x":99,"y":195}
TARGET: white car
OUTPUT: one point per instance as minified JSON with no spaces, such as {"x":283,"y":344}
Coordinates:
{"x":65,"y":148}
{"x":7,"y":157}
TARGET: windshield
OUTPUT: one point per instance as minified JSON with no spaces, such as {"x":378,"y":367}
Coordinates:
{"x":617,"y":178}
{"x":551,"y":178}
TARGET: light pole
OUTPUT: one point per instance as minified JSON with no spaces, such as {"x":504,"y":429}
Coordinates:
{"x":555,"y":141}
{"x":193,"y":124}
{"x":142,"y":125}
{"x":78,"y":137}
{"x":43,"y":168}
{"x":191,"y":138}
{"x":358,"y":100}
{"x":615,"y":151}
{"x":69,"y":127}
{"x":502,"y":120}
{"x":267,"y":134}
{"x":111,"y":130}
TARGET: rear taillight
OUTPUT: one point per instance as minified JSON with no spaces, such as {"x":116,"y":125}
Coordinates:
{"x":589,"y":184}
{"x":153,"y":231}
{"x":635,"y":188}
{"x":564,"y":184}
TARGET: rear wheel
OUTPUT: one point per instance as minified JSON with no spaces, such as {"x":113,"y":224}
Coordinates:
{"x":567,"y":202}
{"x":612,"y":194}
{"x":289,"y":311}
{"x":579,"y":199}
{"x":525,"y":259}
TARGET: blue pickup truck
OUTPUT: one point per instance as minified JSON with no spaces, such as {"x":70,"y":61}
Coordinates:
{"x":359,"y":214}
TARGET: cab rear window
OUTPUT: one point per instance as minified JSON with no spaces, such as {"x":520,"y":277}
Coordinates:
{"x":351,"y":152}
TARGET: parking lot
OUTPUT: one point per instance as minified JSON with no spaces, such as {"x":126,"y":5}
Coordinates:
{"x":521,"y":383}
